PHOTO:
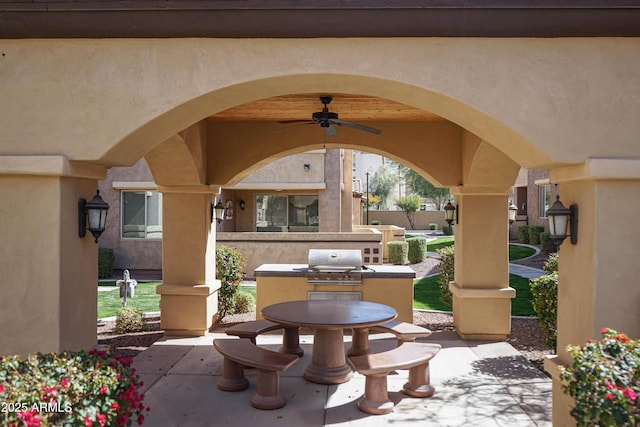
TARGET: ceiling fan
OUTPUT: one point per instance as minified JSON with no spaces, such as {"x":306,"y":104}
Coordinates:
{"x":327,"y":119}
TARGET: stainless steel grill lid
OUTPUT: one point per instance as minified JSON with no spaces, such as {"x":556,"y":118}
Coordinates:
{"x":335,"y":260}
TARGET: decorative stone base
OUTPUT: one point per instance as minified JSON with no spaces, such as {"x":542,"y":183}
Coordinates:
{"x":482,"y":314}
{"x":187,"y":310}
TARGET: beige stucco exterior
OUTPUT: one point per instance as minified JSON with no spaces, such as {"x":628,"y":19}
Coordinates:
{"x":72,"y":108}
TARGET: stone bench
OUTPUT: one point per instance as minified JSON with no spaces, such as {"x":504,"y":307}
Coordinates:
{"x":376,"y":366}
{"x":241,"y":353}
{"x":404,"y":332}
{"x":250,"y":330}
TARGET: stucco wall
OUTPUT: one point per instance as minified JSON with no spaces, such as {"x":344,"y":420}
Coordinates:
{"x":421,"y":219}
{"x":145,"y":254}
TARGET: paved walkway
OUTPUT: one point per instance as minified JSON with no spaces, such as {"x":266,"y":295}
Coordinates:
{"x":477,"y":384}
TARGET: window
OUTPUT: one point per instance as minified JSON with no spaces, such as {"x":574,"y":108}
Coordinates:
{"x":286,"y":213}
{"x":141,"y":213}
{"x":544,"y":200}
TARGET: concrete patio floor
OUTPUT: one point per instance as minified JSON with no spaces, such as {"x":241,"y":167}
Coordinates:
{"x":477,"y":384}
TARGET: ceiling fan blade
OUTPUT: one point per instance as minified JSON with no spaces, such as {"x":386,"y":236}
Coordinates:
{"x":284,"y":122}
{"x":331,"y":131}
{"x":294,"y":124}
{"x":356,"y":126}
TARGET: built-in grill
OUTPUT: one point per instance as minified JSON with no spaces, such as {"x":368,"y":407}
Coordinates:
{"x":335,"y":266}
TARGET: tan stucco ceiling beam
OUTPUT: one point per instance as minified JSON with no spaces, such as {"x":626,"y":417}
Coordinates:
{"x":50,"y":166}
{"x":278,"y":186}
{"x":238,"y":148}
{"x":598,"y":169}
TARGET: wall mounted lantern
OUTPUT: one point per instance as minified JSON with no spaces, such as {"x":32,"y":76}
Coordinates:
{"x":559,"y":217}
{"x":242,"y":204}
{"x":95,"y":212}
{"x":217,"y":212}
{"x":513,"y":211}
{"x":450,"y":212}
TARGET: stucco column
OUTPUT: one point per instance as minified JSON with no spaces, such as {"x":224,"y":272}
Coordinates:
{"x":481,"y":292}
{"x":598,"y":277}
{"x":188,"y":294}
{"x":330,"y":199}
{"x":49,"y":274}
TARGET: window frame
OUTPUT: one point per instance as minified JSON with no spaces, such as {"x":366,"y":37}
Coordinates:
{"x":286,"y":228}
{"x":544,"y":200}
{"x":146,"y":214}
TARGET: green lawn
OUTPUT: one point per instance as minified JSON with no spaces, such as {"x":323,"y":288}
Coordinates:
{"x":515,"y":251}
{"x":440,"y":242}
{"x":145,"y":299}
{"x":426,"y":295}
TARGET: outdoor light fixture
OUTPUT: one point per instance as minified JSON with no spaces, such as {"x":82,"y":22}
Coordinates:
{"x":450,"y":212}
{"x":217,"y":212}
{"x":95,"y":212}
{"x":242,"y":204}
{"x":559,"y":217}
{"x":513,"y":211}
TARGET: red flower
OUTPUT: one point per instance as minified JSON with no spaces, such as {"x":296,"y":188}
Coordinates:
{"x":103,"y":389}
{"x":603,"y":331}
{"x":102,"y":419}
{"x":622,"y":338}
{"x":65,"y":382}
{"x":140,"y":419}
{"x":632,"y":395}
{"x":115,"y":406}
{"x":87,"y":421}
{"x":1,"y":388}
{"x":609,"y":396}
{"x":29,"y":418}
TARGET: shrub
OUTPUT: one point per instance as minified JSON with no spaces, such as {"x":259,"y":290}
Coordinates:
{"x":376,"y":222}
{"x":544,"y":299}
{"x":433,"y":226}
{"x":70,"y":389}
{"x":447,"y":270}
{"x":534,"y":234}
{"x":397,"y":252}
{"x":447,"y":230}
{"x":546,"y":244}
{"x":604,"y":380}
{"x":130,"y":319}
{"x":523,"y":234}
{"x":245,"y":303}
{"x":105,"y":263}
{"x":230,"y":271}
{"x":417,"y":250}
{"x":551,"y":265}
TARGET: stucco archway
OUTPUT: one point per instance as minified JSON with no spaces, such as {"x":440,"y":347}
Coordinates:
{"x":527,"y":98}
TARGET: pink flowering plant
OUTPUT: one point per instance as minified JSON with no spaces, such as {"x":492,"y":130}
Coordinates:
{"x":92,"y":389}
{"x":604,"y":380}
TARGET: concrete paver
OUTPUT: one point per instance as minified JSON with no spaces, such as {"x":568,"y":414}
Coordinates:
{"x":477,"y":384}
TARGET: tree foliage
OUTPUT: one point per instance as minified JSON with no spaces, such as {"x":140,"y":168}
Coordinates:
{"x":383,"y":183}
{"x":409,"y":205}
{"x":421,"y":186}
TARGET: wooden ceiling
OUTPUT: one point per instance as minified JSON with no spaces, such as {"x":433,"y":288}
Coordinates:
{"x":301,"y":107}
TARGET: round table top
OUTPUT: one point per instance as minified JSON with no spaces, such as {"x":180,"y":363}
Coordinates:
{"x":329,"y":313}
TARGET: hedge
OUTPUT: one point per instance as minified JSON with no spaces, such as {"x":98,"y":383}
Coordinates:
{"x":417,"y":249}
{"x":534,"y":234}
{"x":105,"y":263}
{"x":523,"y":234}
{"x":398,"y":252}
{"x":447,"y":269}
